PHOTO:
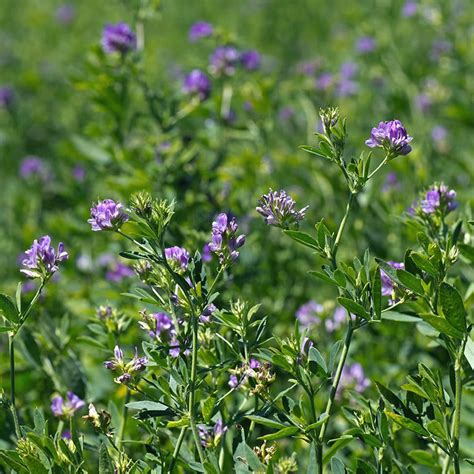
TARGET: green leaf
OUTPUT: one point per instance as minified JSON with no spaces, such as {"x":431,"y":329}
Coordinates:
{"x":452,"y":306}
{"x":335,"y":447}
{"x":410,"y":281}
{"x":422,"y":262}
{"x":422,"y":457}
{"x":146,"y":405}
{"x":105,"y":463}
{"x":441,"y":325}
{"x":245,"y":456}
{"x":7,"y":308}
{"x":207,"y":408}
{"x":313,"y":462}
{"x":315,"y":356}
{"x":337,"y":466}
{"x":401,"y":317}
{"x":260,"y":420}
{"x":321,"y":420}
{"x":436,"y":429}
{"x":4,"y":329}
{"x":285,"y":432}
{"x":377,"y":293}
{"x":90,"y":150}
{"x":303,"y":238}
{"x":324,"y":277}
{"x":469,"y":352}
{"x":407,"y":423}
{"x":353,"y":307}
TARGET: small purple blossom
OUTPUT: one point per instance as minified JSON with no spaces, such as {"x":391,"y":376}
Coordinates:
{"x":439,"y":48}
{"x":66,"y":407}
{"x":439,"y":134}
{"x":65,"y":14}
{"x":197,"y":82}
{"x":33,"y":166}
{"x":278,"y":209}
{"x":118,"y":272}
{"x":118,"y":38}
{"x":286,"y":113}
{"x":128,"y":371}
{"x":79,"y":173}
{"x":207,"y":313}
{"x":233,"y":381}
{"x":250,"y":60}
{"x":392,"y":137}
{"x":423,"y":102}
{"x":439,"y":197}
{"x":409,"y":8}
{"x":388,"y":285}
{"x":353,"y":377}
{"x":7,"y":96}
{"x":391,"y":182}
{"x":177,"y":257}
{"x":224,"y":60}
{"x":324,"y":81}
{"x":224,"y":242}
{"x":107,"y":215}
{"x":337,"y":320}
{"x":365,"y":44}
{"x":307,"y":314}
{"x":42,"y":260}
{"x":200,"y":29}
{"x":212,"y":438}
{"x":206,"y":253}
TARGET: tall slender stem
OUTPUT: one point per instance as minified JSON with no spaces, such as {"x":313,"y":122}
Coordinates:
{"x":192,"y":392}
{"x":177,"y":448}
{"x":455,"y":432}
{"x":341,"y":229}
{"x":123,"y":422}
{"x":332,"y":395}
{"x":11,"y":352}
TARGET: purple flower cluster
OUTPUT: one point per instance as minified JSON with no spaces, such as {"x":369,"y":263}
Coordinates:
{"x":66,"y":407}
{"x":353,"y":377}
{"x":200,"y":29}
{"x":324,"y":81}
{"x":347,"y":86}
{"x":6,"y":96}
{"x":392,"y":137}
{"x":224,"y":242}
{"x":409,"y":8}
{"x":65,"y":14}
{"x":212,"y":438}
{"x":365,"y":44}
{"x":245,"y":372}
{"x":178,"y":258}
{"x":42,"y":260}
{"x":197,"y":83}
{"x":225,"y":59}
{"x":107,"y":215}
{"x":207,"y":313}
{"x":278,"y":209}
{"x":118,"y":271}
{"x":439,"y":197}
{"x":129,"y":371}
{"x":118,"y":38}
{"x":337,"y":320}
{"x":307,"y":314}
{"x":33,"y":166}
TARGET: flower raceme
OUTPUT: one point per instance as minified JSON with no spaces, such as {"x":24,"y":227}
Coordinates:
{"x":118,"y":38}
{"x":197,"y":83}
{"x":107,"y":215}
{"x":42,"y":260}
{"x":66,"y":407}
{"x":278,"y":209}
{"x":178,"y":258}
{"x":224,"y":242}
{"x":128,"y":370}
{"x":200,"y":29}
{"x":392,"y":137}
{"x":212,"y":438}
{"x":438,"y":197}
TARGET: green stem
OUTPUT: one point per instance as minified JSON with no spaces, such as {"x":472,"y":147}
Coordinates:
{"x":24,"y":316}
{"x":11,"y":352}
{"x":123,"y":422}
{"x":192,"y":392}
{"x":456,"y":426}
{"x":383,"y":163}
{"x":177,"y":448}
{"x":219,"y":273}
{"x":341,"y":229}
{"x":332,"y":395}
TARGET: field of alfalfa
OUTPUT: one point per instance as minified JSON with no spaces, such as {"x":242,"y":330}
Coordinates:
{"x":236,"y":237}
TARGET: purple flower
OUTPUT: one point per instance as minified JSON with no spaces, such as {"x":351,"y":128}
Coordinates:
{"x":423,"y":102}
{"x":346,"y":88}
{"x":365,"y":44}
{"x":439,"y":133}
{"x":7,"y":96}
{"x":211,"y":439}
{"x":308,"y":68}
{"x":177,"y":257}
{"x":286,"y":113}
{"x":158,"y":325}
{"x":439,"y":197}
{"x":233,"y":381}
{"x":337,"y":320}
{"x":208,"y":311}
{"x":65,"y":14}
{"x":206,"y":253}
{"x":118,"y":272}
{"x":33,"y":166}
{"x":128,"y":371}
{"x":392,"y":137}
{"x":307,"y":314}
{"x":353,"y":377}
{"x":197,"y":82}
{"x":278,"y":209}
{"x":107,"y":215}
{"x":200,"y":29}
{"x":388,"y":286}
{"x":79,"y":173}
{"x":348,"y":70}
{"x":224,"y":60}
{"x":224,"y":242}
{"x":118,"y":38}
{"x":391,"y":182}
{"x":41,"y":260}
{"x":324,"y":81}
{"x":66,"y":407}
{"x":409,"y":8}
{"x":254,"y":364}
{"x":250,"y":60}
